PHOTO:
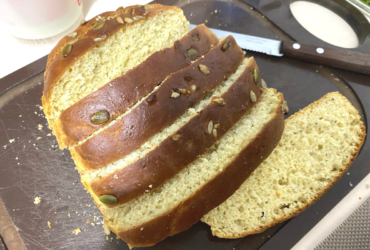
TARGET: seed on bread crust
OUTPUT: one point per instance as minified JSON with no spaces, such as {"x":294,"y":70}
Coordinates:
{"x":175,"y":95}
{"x":72,"y":34}
{"x":219,"y":100}
{"x":204,"y":69}
{"x":119,"y":20}
{"x":128,"y":20}
{"x":66,"y":50}
{"x":253,"y":96}
{"x":99,"y":25}
{"x":210,"y":127}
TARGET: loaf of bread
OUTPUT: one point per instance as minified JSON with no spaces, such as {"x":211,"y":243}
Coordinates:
{"x":97,"y":109}
{"x":163,"y":124}
{"x":318,"y":145}
{"x":104,"y":48}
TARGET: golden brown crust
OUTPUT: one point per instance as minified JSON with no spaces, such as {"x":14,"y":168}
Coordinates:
{"x":82,"y":29}
{"x":193,"y":139}
{"x":319,"y":195}
{"x":213,"y":193}
{"x":58,"y":64}
{"x":116,"y":96}
{"x":158,"y":110}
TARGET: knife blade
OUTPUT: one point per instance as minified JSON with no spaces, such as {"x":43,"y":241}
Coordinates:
{"x":333,"y":57}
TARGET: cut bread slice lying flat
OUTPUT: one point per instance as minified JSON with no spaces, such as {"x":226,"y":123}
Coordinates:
{"x":108,"y":46}
{"x":159,"y":109}
{"x":198,"y":188}
{"x":111,"y":100}
{"x":175,"y":147}
{"x":318,"y":145}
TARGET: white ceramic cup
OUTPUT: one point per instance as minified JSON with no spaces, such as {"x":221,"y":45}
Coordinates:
{"x":38,"y":19}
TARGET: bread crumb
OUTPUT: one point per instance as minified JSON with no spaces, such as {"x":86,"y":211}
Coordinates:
{"x":359,"y":198}
{"x":69,"y":214}
{"x":93,"y":224}
{"x":38,"y":138}
{"x":88,"y":221}
{"x":115,"y":176}
{"x":48,"y":134}
{"x":142,"y":229}
{"x":20,"y":115}
{"x":39,"y":126}
{"x":49,"y":224}
{"x":37,"y":200}
{"x":350,"y":184}
{"x":12,"y":140}
{"x":106,"y":229}
{"x":76,"y":231}
{"x":106,"y":237}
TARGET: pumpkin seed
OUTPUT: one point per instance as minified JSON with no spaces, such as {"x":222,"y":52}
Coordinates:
{"x":101,"y":38}
{"x":99,"y":25}
{"x":256,"y":76}
{"x":263,"y":84}
{"x":66,"y":50}
{"x":253,"y":96}
{"x":193,"y":88}
{"x":226,"y":45}
{"x":119,"y":19}
{"x":175,"y":95}
{"x":128,"y":20}
{"x":100,"y":117}
{"x":204,"y":69}
{"x":219,"y":100}
{"x":210,"y":127}
{"x":108,"y":199}
{"x":191,"y":52}
{"x":72,"y":35}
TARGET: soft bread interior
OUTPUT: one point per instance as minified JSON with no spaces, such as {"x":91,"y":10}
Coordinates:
{"x":153,"y":142}
{"x":317,"y":146}
{"x":193,"y":177}
{"x":116,"y":55}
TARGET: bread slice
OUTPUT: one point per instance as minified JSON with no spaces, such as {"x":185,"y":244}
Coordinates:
{"x":198,"y":188}
{"x":318,"y":145}
{"x":180,"y":91}
{"x":105,"y":48}
{"x":74,"y":123}
{"x":175,"y":147}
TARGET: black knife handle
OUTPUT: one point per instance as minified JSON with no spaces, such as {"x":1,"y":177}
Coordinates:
{"x":337,"y":58}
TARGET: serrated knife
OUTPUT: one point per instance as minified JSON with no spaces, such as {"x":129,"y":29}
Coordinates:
{"x":337,"y":58}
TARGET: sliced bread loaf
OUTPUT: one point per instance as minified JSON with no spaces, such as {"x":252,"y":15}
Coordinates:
{"x":198,"y":188}
{"x":175,"y":147}
{"x":100,"y":107}
{"x":318,"y":145}
{"x":105,"y":48}
{"x":180,"y":91}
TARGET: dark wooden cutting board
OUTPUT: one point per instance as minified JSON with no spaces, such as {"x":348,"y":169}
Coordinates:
{"x":33,"y":166}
